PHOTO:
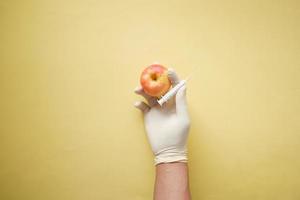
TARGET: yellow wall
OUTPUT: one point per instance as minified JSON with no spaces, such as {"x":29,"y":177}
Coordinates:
{"x":68,"y":129}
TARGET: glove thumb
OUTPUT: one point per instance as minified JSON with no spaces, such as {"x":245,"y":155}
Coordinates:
{"x":181,"y":105}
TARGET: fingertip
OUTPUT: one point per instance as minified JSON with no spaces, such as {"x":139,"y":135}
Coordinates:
{"x":182,"y":91}
{"x":138,"y":89}
{"x":173,"y":76}
{"x":141,"y":106}
{"x":183,"y":88}
{"x":171,"y":71}
{"x":137,"y":104}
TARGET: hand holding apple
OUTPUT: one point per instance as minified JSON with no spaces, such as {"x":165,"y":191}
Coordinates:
{"x":167,"y":127}
{"x":154,"y":80}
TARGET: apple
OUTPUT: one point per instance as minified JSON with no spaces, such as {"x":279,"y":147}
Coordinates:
{"x":154,"y":80}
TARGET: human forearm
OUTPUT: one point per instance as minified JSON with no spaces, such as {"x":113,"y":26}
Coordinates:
{"x":172,"y":182}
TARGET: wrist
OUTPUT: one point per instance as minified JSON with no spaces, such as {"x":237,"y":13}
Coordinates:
{"x":171,"y":154}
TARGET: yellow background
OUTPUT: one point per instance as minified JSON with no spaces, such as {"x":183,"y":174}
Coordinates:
{"x":68,"y":129}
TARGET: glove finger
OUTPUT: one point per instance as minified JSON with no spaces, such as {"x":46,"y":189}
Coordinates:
{"x":181,"y":105}
{"x":142,"y":106}
{"x":151,"y":100}
{"x":173,"y":76}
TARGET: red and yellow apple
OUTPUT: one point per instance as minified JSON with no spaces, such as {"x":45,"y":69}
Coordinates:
{"x":154,"y":80}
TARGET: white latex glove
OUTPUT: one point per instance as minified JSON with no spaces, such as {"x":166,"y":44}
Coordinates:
{"x":167,"y":127}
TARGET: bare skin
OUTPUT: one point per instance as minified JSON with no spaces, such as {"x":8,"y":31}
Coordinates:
{"x":172,"y":182}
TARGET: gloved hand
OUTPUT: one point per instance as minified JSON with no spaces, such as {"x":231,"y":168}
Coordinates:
{"x":167,"y":127}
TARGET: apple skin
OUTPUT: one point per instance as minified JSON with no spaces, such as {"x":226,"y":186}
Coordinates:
{"x":154,"y":80}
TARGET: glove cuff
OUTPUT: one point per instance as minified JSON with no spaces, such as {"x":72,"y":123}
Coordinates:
{"x":171,"y":155}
